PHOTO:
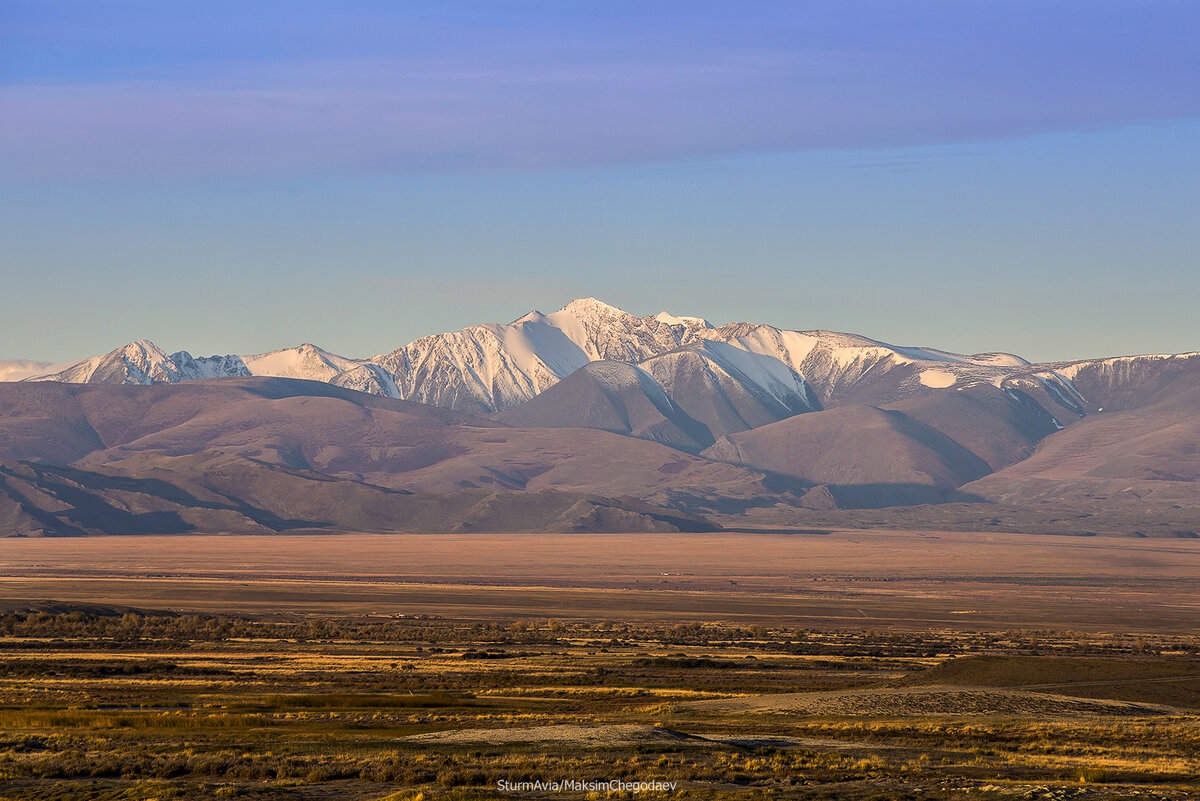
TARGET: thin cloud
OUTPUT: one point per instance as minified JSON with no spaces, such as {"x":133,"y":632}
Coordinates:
{"x":534,"y":100}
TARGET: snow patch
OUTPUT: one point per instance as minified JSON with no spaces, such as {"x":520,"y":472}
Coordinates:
{"x":938,"y":379}
{"x":765,"y":371}
{"x":998,"y":360}
{"x":537,"y":342}
{"x":928,"y":354}
{"x":671,"y":319}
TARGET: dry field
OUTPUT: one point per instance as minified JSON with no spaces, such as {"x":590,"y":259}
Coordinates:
{"x":857,"y":665}
{"x":872,"y":578}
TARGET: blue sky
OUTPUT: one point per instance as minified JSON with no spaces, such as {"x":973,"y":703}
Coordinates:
{"x":967,"y":174}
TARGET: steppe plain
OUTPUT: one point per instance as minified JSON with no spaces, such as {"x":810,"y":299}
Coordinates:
{"x":766,"y":664}
{"x":896,"y":578}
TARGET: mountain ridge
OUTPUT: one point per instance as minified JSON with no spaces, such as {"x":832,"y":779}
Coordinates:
{"x":492,"y":367}
{"x":743,"y":421}
{"x":607,"y":448}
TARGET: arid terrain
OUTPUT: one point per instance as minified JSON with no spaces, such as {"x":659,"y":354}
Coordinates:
{"x":805,"y":664}
{"x":952,"y":579}
{"x":427,"y":401}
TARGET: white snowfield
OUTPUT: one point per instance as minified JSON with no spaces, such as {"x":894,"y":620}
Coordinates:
{"x":938,"y":379}
{"x":491,"y":367}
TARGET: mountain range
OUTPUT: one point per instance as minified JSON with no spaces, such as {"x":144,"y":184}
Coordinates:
{"x":591,"y":418}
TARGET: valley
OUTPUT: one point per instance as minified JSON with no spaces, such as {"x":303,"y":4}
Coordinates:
{"x":865,"y":578}
{"x":588,"y":547}
{"x":807,"y":665}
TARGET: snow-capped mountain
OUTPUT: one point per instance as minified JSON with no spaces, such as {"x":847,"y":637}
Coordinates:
{"x":729,"y":389}
{"x":612,"y":396}
{"x":481,"y":368}
{"x":494,"y":367}
{"x":730,"y":378}
{"x":140,"y":362}
{"x":742,"y":419}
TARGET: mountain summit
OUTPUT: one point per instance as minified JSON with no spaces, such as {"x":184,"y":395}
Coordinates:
{"x":490,"y":367}
{"x":730,"y":378}
{"x":594,"y":407}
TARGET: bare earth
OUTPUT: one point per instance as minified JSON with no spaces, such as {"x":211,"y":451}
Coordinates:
{"x":865,"y":578}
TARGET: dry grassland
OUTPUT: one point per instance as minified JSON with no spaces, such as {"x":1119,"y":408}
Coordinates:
{"x":845,"y":666}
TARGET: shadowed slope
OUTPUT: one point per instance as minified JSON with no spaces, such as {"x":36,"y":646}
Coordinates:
{"x":45,"y":422}
{"x":1136,"y":462}
{"x":1133,"y":456}
{"x":870,"y":456}
{"x":62,"y":423}
{"x":1001,"y":427}
{"x":223,"y":493}
{"x":1133,"y":382}
{"x":244,"y":454}
{"x":586,"y":460}
{"x":728,"y":389}
{"x":611,"y":396}
{"x":389,"y":443}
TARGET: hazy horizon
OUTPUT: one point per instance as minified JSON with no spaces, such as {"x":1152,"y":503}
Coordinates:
{"x":171,"y":347}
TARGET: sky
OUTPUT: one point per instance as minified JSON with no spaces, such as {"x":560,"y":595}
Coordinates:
{"x":229,"y":177}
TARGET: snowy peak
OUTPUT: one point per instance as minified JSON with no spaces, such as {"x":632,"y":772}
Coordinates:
{"x":750,"y":373}
{"x":201,"y":367}
{"x":845,"y":368}
{"x":591,"y":308}
{"x":1116,"y":383}
{"x":139,"y":362}
{"x":599,"y":330}
{"x":482,"y":368}
{"x":605,"y":332}
{"x":145,"y":362}
{"x":142,"y":348}
{"x":686,"y":322}
{"x":485,"y":368}
{"x":529,"y":317}
{"x":306,"y":361}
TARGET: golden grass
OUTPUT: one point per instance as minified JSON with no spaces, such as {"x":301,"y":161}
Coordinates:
{"x":329,"y":713}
